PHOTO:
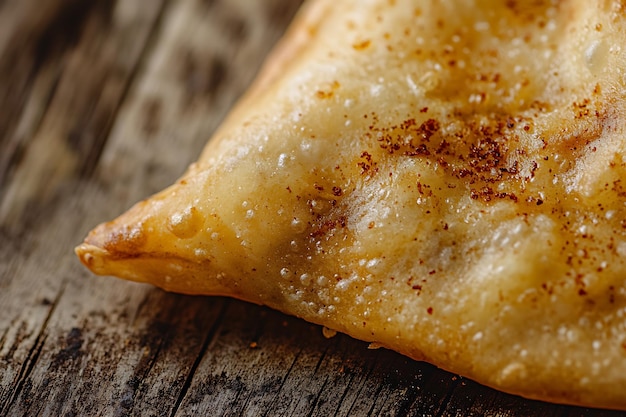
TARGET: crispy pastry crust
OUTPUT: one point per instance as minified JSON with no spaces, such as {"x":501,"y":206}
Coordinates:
{"x":445,"y":179}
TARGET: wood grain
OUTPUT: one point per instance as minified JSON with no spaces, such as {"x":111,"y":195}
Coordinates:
{"x":101,"y":104}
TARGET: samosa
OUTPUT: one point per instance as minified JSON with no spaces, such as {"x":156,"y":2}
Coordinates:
{"x":442,"y":178}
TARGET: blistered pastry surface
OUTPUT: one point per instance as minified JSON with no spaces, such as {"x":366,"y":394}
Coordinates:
{"x":443,"y":178}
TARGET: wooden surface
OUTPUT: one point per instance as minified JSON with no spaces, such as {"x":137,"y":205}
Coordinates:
{"x":101,"y":104}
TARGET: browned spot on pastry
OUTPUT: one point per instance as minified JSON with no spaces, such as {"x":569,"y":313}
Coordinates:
{"x":362,"y":45}
{"x":125,"y":241}
{"x":328,"y":93}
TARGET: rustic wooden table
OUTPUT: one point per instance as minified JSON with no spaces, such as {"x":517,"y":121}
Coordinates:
{"x":103,"y":102}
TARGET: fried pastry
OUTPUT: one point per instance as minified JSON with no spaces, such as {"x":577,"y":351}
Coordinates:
{"x":445,"y":179}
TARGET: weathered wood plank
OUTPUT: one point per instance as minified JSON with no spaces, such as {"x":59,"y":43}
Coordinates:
{"x":68,"y":67}
{"x":93,"y":117}
{"x":51,"y":103}
{"x":58,"y":332}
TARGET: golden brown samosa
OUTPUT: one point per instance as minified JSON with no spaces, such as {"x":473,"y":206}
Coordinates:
{"x":443,"y":178}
